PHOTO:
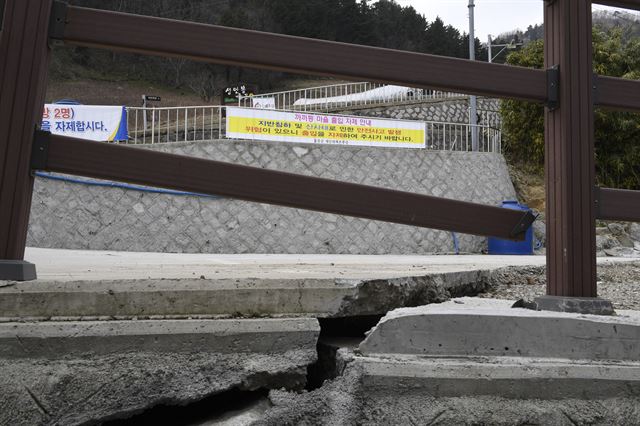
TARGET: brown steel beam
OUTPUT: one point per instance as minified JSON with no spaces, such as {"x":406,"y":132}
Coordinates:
{"x":570,"y":161}
{"x":115,"y":162}
{"x":23,"y":69}
{"x":626,"y":4}
{"x":618,"y":204}
{"x":231,"y":46}
{"x":618,"y":93}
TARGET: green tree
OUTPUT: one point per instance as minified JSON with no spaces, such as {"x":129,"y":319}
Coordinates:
{"x":617,"y":134}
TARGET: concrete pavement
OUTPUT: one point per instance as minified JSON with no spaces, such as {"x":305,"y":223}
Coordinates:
{"x":77,"y":265}
{"x":75,"y":285}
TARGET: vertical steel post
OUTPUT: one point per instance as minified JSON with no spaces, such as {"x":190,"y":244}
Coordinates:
{"x":570,"y":161}
{"x":24,"y":50}
{"x":473,"y":100}
{"x":490,"y":49}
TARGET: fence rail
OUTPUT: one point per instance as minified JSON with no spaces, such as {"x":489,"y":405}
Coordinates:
{"x":568,"y":87}
{"x":175,"y":124}
{"x":200,"y":123}
{"x":346,"y":95}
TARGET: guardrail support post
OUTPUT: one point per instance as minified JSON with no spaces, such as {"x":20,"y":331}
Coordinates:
{"x":570,"y":162}
{"x":23,"y":77}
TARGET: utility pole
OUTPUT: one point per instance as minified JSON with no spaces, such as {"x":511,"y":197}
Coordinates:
{"x":489,"y":46}
{"x":473,"y":100}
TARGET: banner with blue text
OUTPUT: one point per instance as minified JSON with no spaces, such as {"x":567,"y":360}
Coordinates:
{"x":91,"y":122}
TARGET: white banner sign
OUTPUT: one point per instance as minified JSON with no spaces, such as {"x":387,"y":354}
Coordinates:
{"x":256,"y":124}
{"x":96,"y":123}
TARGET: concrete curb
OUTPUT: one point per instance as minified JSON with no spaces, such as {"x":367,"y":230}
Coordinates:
{"x":516,"y":378}
{"x":485,"y":327}
{"x":57,"y":340}
{"x":122,"y":299}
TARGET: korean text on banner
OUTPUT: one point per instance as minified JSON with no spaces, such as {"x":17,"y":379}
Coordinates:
{"x":265,"y":125}
{"x":91,"y":122}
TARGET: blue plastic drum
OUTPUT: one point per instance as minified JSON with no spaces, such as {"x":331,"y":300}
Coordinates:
{"x":499,"y":246}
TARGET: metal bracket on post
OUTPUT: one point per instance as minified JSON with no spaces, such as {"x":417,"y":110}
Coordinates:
{"x":40,"y":150}
{"x":596,"y":83}
{"x":57,"y":23}
{"x":553,"y":87}
{"x":525,"y":222}
{"x":596,"y":200}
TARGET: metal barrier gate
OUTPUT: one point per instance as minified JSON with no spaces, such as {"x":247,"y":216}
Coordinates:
{"x":568,"y":88}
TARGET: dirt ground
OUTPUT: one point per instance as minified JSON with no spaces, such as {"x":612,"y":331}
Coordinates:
{"x":619,"y":283}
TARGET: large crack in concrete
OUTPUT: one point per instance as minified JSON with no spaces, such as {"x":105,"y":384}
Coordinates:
{"x":377,"y":297}
{"x":93,"y":390}
{"x":323,"y":384}
{"x":225,"y":298}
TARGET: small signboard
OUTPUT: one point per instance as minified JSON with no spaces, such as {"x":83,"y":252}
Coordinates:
{"x":232,"y":94}
{"x":152,"y":98}
{"x":268,"y":102}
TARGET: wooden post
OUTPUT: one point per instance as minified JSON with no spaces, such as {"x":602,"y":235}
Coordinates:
{"x":570,"y":161}
{"x":23,"y":77}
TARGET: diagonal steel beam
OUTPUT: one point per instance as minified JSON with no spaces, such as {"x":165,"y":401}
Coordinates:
{"x":114,"y":162}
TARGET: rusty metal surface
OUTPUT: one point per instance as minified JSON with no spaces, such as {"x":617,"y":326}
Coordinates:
{"x":570,"y":162}
{"x":618,"y":204}
{"x":210,"y":43}
{"x":128,"y":164}
{"x":23,"y":70}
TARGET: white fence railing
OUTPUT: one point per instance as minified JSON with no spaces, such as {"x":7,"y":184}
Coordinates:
{"x":203,"y":123}
{"x":459,"y":136}
{"x":175,"y":124}
{"x":337,"y":96}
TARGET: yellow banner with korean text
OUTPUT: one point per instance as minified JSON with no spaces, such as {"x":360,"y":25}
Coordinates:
{"x":323,"y":129}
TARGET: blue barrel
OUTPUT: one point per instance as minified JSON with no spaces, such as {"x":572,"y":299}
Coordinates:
{"x":499,"y":246}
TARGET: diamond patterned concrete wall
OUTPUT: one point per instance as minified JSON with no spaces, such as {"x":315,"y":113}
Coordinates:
{"x":66,"y":215}
{"x":449,"y":111}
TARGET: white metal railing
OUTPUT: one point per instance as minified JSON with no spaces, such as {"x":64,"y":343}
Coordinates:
{"x":458,"y":137}
{"x":204,"y":123}
{"x":337,"y":96}
{"x":174,"y":124}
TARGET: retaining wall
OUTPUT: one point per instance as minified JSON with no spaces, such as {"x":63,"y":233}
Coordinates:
{"x":447,"y":111}
{"x":72,"y":216}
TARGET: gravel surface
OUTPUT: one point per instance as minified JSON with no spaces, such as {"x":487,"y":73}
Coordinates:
{"x":619,"y":283}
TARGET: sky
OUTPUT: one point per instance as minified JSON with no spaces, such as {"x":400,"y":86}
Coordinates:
{"x":492,"y":16}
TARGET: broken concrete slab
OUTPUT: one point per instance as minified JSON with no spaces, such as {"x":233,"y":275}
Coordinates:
{"x":75,"y":373}
{"x":449,"y":364}
{"x":364,"y":395}
{"x":246,"y":297}
{"x":486,"y":327}
{"x":77,"y":285}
